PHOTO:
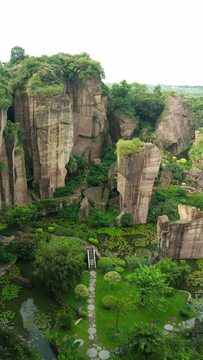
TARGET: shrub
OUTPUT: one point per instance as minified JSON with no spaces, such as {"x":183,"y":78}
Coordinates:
{"x":126,"y":148}
{"x":119,"y":269}
{"x":69,"y":213}
{"x":50,"y":230}
{"x":174,"y":182}
{"x":84,"y":314}
{"x":93,"y":241}
{"x":65,"y":319}
{"x":126,"y":219}
{"x":27,"y":249}
{"x":39,"y":230}
{"x":12,"y":247}
{"x":98,"y":218}
{"x":90,"y":234}
{"x":184,"y":313}
{"x":20,"y":214}
{"x":71,"y":233}
{"x":120,"y":262}
{"x":43,"y":237}
{"x":8,"y":231}
{"x":60,"y":231}
{"x":6,"y":257}
{"x":1,"y":243}
{"x":108,"y":301}
{"x":105,"y":263}
{"x":81,"y":291}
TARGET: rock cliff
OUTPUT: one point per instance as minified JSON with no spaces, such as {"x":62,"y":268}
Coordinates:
{"x":121,"y":127}
{"x":181,"y":239}
{"x":135,"y":178}
{"x":174,"y":130}
{"x":3,"y":119}
{"x":48,"y":123}
{"x":89,"y":117}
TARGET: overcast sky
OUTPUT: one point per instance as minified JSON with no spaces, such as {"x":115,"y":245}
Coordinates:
{"x":148,"y":41}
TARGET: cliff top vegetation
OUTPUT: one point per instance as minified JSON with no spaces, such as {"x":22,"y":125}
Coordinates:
{"x":46,"y":75}
{"x":126,"y":148}
{"x":5,"y":89}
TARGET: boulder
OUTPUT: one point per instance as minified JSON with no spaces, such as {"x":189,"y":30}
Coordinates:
{"x":197,"y":176}
{"x":84,"y":209}
{"x":135,"y":179}
{"x":94,"y":193}
{"x":96,"y":161}
{"x":80,"y":309}
{"x":23,"y":281}
{"x":174,"y":130}
{"x":166,"y":177}
{"x":181,"y":239}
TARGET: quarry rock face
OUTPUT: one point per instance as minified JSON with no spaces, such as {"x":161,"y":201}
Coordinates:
{"x":49,"y":133}
{"x":13,"y":183}
{"x":135,"y":178}
{"x":122,"y":127}
{"x":181,"y":239}
{"x":174,"y":131}
{"x":89,"y":117}
{"x":84,"y":209}
{"x":3,"y":119}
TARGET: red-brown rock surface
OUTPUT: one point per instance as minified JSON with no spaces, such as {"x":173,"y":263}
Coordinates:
{"x":174,"y":131}
{"x":49,"y":138}
{"x":135,"y":179}
{"x":181,"y":239}
{"x":89,"y":117}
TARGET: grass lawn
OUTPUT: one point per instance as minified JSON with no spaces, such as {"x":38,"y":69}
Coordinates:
{"x":105,"y":319}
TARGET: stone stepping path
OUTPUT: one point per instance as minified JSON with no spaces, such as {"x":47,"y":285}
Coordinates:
{"x":188,"y":324}
{"x":96,"y":351}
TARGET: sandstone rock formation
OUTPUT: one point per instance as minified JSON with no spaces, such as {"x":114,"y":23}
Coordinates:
{"x":135,"y":179}
{"x":89,"y":117}
{"x":84,"y":209}
{"x":181,"y":239}
{"x":3,"y":119}
{"x":49,"y":138}
{"x":174,"y":131}
{"x":122,"y":127}
{"x":13,"y":183}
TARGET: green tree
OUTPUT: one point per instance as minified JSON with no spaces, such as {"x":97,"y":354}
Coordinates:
{"x":113,"y":277}
{"x":18,"y":215}
{"x":17,"y":55}
{"x":175,"y":271}
{"x":118,"y":309}
{"x":5,"y":89}
{"x":59,"y":263}
{"x":126,"y":219}
{"x":144,"y":340}
{"x":150,"y":286}
{"x":105,"y":263}
{"x":81,"y":291}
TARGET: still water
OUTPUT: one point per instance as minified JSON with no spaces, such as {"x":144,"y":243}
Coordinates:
{"x":34,"y":309}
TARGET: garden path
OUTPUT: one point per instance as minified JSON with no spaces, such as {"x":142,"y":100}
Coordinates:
{"x":96,"y":351}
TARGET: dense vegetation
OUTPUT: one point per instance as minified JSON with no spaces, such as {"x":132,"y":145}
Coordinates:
{"x":45,"y":75}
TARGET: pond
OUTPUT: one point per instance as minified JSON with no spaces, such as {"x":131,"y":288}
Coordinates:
{"x":34,"y":309}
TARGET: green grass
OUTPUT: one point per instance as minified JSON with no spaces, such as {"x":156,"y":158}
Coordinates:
{"x":2,"y":226}
{"x":105,"y":319}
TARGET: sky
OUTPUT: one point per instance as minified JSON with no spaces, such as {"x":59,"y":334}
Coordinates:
{"x":147,"y":41}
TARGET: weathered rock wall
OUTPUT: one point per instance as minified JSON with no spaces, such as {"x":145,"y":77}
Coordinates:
{"x":135,"y":179}
{"x":3,"y":119}
{"x":13,"y":183}
{"x":181,"y":239}
{"x":121,"y":127}
{"x":174,"y":131}
{"x":48,"y":123}
{"x":89,"y":117}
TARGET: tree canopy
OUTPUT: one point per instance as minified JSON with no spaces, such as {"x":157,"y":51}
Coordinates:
{"x":150,"y":286}
{"x":59,"y":264}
